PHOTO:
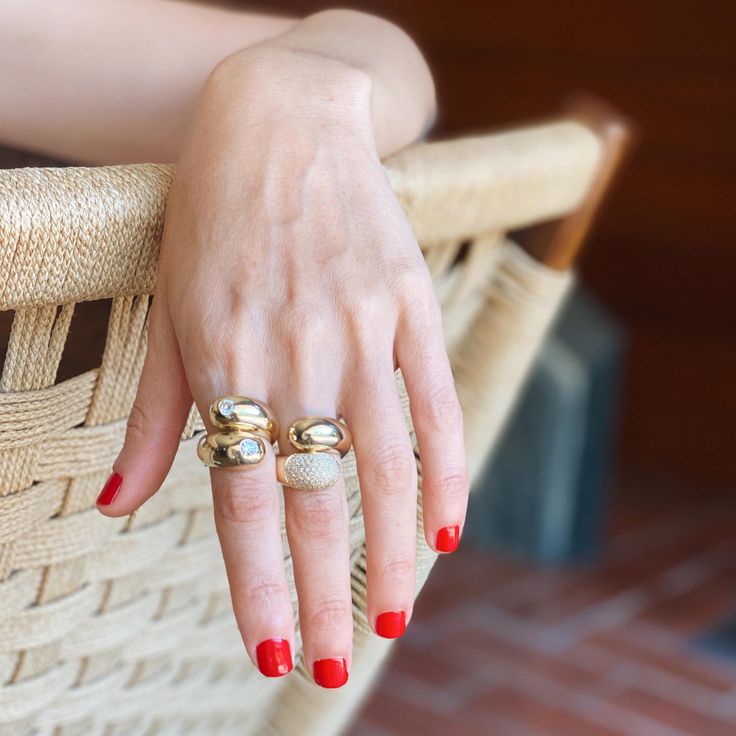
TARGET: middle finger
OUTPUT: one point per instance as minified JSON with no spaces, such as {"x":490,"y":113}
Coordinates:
{"x":318,"y":531}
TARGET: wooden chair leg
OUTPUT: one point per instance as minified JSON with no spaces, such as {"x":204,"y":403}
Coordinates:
{"x":557,"y":244}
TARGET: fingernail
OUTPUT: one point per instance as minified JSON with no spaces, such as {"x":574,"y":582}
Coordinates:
{"x":274,"y":657}
{"x":448,"y":539}
{"x":110,"y":490}
{"x":331,"y":672}
{"x":391,"y":624}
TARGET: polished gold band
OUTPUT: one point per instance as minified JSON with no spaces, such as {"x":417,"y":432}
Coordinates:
{"x":231,"y":449}
{"x":245,"y":424}
{"x":320,"y":443}
{"x":241,"y":413}
{"x":317,"y":434}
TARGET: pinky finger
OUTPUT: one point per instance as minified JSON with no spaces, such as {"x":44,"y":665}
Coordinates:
{"x":438,"y":422}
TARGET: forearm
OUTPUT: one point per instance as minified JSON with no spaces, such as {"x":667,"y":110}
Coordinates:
{"x":118,"y":81}
{"x":402,"y":89}
{"x":112,"y":81}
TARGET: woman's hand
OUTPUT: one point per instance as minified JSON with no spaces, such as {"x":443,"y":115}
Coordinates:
{"x":289,"y":273}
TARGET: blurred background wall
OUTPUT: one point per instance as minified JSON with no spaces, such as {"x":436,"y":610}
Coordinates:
{"x":663,"y":257}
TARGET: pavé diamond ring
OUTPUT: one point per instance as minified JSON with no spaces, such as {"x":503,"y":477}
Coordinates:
{"x":320,"y":442}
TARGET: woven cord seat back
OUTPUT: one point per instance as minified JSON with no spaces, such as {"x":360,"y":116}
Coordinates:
{"x":124,"y":626}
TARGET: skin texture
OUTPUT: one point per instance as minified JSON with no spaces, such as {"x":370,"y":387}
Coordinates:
{"x":290,"y":273}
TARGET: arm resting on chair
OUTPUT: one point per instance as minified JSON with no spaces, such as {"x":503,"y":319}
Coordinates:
{"x":117,"y":82}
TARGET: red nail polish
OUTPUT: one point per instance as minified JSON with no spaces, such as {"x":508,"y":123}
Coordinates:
{"x":274,"y":657}
{"x":391,"y":624}
{"x":448,"y":539}
{"x":110,"y":490}
{"x":331,"y":672}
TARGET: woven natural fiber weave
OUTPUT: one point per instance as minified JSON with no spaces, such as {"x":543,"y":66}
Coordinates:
{"x":124,"y":626}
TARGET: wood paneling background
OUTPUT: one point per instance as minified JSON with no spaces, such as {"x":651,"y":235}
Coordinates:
{"x":663,"y":257}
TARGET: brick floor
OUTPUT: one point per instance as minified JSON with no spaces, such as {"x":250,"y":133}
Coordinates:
{"x":502,"y":648}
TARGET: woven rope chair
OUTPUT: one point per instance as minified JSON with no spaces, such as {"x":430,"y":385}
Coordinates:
{"x":124,"y":626}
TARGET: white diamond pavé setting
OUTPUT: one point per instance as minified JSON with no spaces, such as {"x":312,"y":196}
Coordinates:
{"x":312,"y":470}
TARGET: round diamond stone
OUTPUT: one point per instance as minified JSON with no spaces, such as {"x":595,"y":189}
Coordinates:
{"x":227,"y":407}
{"x":250,"y":448}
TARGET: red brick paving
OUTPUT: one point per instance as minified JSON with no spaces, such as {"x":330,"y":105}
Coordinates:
{"x":545,"y":717}
{"x":501,"y":648}
{"x":677,"y":715}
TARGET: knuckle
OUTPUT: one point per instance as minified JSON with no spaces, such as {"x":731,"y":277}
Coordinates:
{"x":235,"y":296}
{"x":331,"y":614}
{"x":320,"y":514}
{"x":454,"y":487}
{"x":265,"y":592}
{"x":198,"y":337}
{"x":303,"y":329}
{"x":441,"y":408}
{"x":411,"y":279}
{"x":369,"y":316}
{"x":137,"y":421}
{"x":393,"y":471}
{"x":140,"y":429}
{"x":369,"y":306}
{"x":423,"y":308}
{"x":250,"y":501}
{"x":300,"y":312}
{"x":427,"y":305}
{"x":398,"y":569}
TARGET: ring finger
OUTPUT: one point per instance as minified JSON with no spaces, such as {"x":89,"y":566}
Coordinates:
{"x":388,"y":485}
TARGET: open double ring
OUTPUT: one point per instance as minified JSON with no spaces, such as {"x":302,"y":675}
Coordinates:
{"x":245,"y":425}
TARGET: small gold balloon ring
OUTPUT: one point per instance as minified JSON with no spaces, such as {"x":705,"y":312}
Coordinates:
{"x":319,"y":434}
{"x":320,"y":443}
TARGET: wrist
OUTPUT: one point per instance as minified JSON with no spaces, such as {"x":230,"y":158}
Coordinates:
{"x":270,"y":83}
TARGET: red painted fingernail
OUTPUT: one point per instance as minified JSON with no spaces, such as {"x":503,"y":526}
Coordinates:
{"x":331,"y":672}
{"x":448,"y":539}
{"x":110,"y":490}
{"x":274,"y":657}
{"x":391,"y":624}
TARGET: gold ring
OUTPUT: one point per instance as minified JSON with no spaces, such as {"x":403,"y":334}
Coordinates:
{"x":318,"y":434}
{"x":231,"y":449}
{"x":311,"y":471}
{"x":245,"y":424}
{"x":241,"y":413}
{"x":320,"y":443}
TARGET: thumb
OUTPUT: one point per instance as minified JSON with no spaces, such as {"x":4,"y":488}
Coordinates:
{"x":155,"y":424}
